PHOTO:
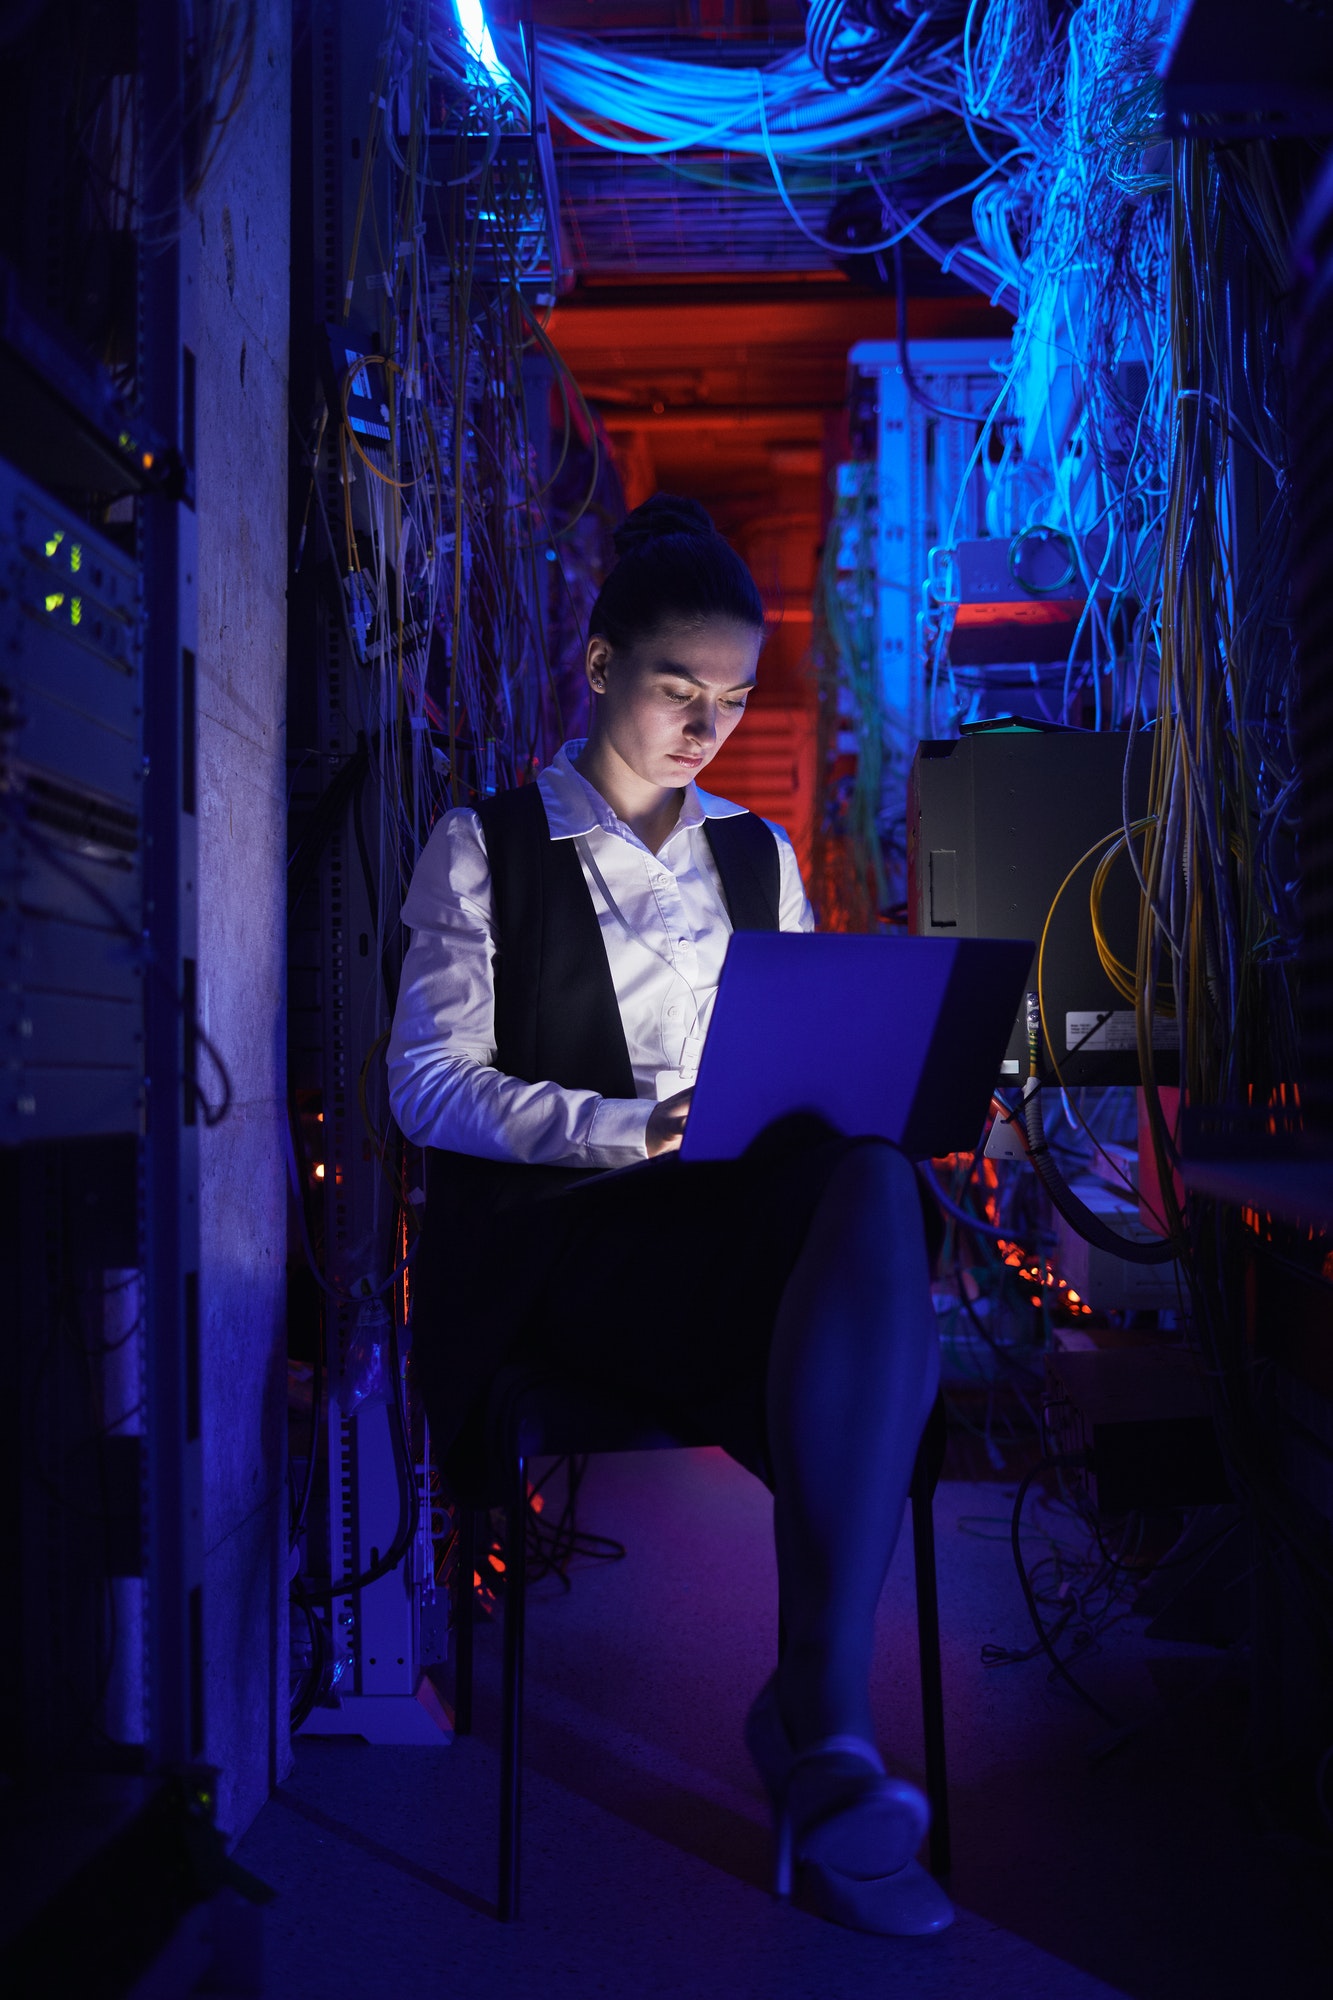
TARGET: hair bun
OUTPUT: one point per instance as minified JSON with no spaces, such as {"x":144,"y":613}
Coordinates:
{"x":665,"y":514}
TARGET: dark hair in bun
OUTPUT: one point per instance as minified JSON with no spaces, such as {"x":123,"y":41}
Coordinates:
{"x":672,"y":563}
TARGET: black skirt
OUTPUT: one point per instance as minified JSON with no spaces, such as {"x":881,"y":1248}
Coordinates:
{"x":660,"y":1282}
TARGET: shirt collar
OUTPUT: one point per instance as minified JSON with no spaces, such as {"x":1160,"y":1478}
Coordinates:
{"x":573,"y":806}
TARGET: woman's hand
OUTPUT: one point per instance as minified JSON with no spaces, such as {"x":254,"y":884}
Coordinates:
{"x":666,"y":1127}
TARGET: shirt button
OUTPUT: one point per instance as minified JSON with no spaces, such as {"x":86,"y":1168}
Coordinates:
{"x":673,"y":1013}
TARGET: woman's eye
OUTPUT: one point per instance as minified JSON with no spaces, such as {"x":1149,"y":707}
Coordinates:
{"x":736,"y":704}
{"x":676,"y":697}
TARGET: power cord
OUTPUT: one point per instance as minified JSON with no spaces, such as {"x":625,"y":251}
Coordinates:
{"x":554,"y":1545}
{"x":1045,"y":1639}
{"x":409,"y":1497}
{"x":1075,"y":1212}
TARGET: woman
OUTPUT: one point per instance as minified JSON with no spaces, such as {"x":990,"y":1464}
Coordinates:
{"x":567,"y":940}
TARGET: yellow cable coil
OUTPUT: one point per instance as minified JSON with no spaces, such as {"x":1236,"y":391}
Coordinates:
{"x":1116,"y":971}
{"x":1121,"y":976}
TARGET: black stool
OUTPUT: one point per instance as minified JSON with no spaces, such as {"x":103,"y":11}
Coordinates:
{"x":537,"y":1414}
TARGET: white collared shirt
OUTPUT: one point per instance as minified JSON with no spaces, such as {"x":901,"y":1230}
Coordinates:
{"x":665,"y":928}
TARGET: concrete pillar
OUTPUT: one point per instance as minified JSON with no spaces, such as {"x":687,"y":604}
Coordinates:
{"x":242,"y":217}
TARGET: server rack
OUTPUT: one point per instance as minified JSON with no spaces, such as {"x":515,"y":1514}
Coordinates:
{"x":929,"y":495}
{"x":100,"y":1099}
{"x":343,"y":958}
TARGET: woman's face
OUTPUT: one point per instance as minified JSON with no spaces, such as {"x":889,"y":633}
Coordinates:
{"x":666,"y":705}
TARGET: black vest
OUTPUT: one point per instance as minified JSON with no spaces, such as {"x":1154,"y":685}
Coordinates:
{"x":557,"y":1019}
{"x":556,"y":1015}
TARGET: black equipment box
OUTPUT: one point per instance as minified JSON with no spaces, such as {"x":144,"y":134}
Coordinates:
{"x":995,"y":822}
{"x":1139,"y":1409}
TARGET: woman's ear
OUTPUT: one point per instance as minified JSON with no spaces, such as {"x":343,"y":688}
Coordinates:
{"x":598,"y":659}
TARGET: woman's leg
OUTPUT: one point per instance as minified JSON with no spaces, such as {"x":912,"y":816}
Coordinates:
{"x":853,"y":1371}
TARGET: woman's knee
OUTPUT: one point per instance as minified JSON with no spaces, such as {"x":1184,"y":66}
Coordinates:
{"x":868,"y":1230}
{"x":875,"y":1184}
{"x":876,"y":1193}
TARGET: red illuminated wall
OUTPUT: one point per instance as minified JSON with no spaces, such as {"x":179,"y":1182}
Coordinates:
{"x":733,"y":392}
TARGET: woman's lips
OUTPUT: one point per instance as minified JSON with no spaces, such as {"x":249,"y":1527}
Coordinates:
{"x":693,"y":762}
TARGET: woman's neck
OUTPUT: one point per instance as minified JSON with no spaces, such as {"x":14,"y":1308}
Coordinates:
{"x":646,"y":809}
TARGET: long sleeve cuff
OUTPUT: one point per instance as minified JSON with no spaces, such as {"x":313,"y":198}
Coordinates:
{"x":618,"y":1134}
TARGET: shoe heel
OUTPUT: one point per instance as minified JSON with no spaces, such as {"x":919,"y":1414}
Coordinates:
{"x":782,"y":1855}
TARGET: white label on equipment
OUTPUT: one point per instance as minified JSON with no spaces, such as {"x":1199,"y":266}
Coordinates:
{"x":1117,"y":1031}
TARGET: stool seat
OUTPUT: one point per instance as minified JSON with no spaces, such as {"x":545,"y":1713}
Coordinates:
{"x":536,"y":1411}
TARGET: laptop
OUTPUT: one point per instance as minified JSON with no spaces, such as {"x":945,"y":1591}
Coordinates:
{"x":897,"y":1036}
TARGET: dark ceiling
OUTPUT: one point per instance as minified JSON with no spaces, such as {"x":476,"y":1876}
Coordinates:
{"x":711,"y":336}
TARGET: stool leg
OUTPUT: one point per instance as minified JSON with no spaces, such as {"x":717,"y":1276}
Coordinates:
{"x":511,"y":1740}
{"x":932,"y":1686}
{"x":465,"y":1598}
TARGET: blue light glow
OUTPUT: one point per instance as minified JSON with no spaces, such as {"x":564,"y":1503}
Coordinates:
{"x":477,"y":40}
{"x":785,"y":109}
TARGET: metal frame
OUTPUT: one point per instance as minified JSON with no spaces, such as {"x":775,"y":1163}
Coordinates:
{"x":925,"y":1478}
{"x":174,"y":1496}
{"x":383,"y":1695}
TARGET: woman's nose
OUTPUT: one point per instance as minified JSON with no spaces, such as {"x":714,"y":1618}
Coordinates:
{"x":702,"y":726}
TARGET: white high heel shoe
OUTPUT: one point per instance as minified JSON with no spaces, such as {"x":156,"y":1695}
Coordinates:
{"x":851,"y":1829}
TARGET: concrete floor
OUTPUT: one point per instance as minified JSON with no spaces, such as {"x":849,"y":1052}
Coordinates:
{"x":1141,"y":1873}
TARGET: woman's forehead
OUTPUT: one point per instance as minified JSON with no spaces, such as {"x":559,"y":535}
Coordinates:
{"x":720,"y":651}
